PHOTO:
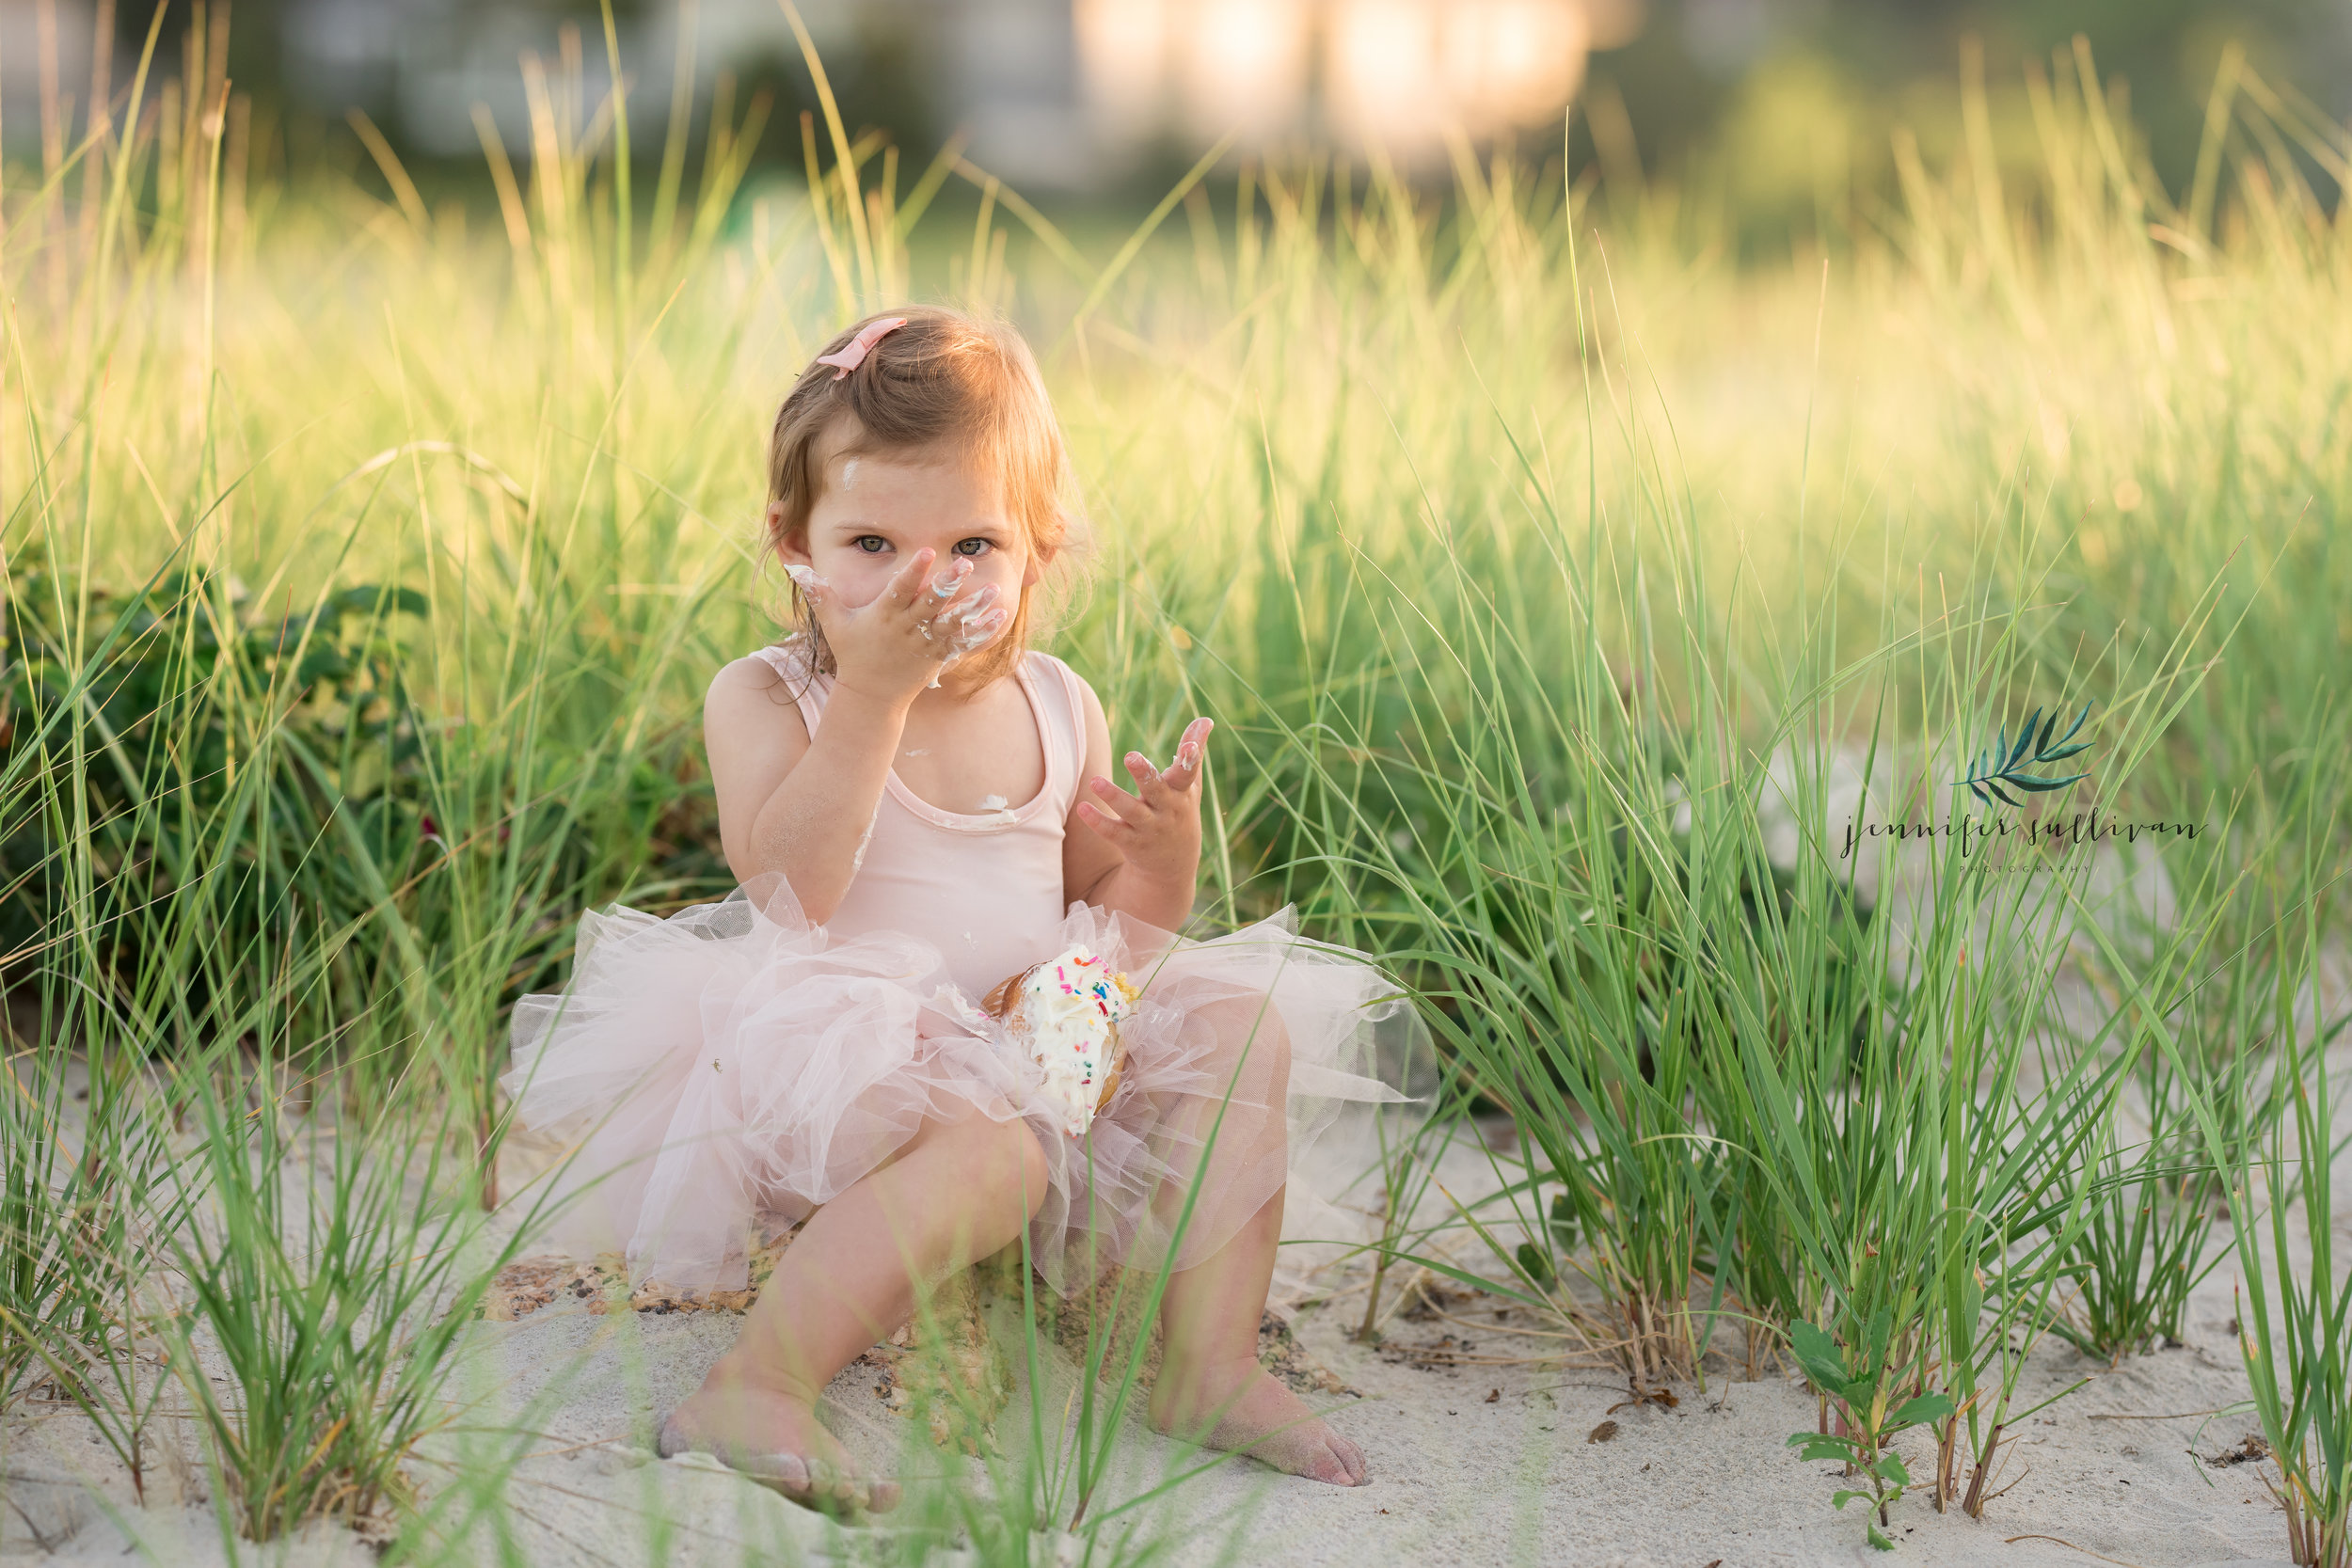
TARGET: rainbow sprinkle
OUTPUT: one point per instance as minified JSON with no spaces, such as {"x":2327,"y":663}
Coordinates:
{"x":1089,"y":999}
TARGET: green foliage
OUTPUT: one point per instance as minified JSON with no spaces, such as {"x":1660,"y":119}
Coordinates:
{"x":82,"y":1245}
{"x":2296,"y":1322}
{"x":1862,"y":1381}
{"x":172,"y":697}
{"x":2147,"y":1241}
{"x":2301,"y":1362}
{"x":1506,"y":666}
{"x":336,"y":1309}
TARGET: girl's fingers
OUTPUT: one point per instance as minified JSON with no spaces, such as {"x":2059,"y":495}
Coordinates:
{"x":906,"y":582}
{"x":1148,"y":781}
{"x":967,"y":611}
{"x":1155,"y":786}
{"x":1113,"y":801}
{"x":1189,"y":750}
{"x":1102,"y":822}
{"x":947,"y":584}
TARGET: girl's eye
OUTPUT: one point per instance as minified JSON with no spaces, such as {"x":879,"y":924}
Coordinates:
{"x":882,"y":543}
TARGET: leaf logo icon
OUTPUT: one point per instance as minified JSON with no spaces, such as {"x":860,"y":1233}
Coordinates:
{"x":2011,"y":764}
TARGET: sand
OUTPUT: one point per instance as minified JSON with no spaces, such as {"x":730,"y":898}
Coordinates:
{"x":1481,"y":1452}
{"x":1481,"y":1445}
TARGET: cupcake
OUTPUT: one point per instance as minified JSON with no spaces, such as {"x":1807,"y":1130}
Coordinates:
{"x":1065,"y":1014}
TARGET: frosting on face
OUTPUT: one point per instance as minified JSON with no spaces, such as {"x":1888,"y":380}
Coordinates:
{"x":1068,"y":1008}
{"x":966,"y":627}
{"x":970,"y":628}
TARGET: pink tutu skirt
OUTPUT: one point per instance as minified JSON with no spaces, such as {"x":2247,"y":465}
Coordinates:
{"x":733,"y":1067}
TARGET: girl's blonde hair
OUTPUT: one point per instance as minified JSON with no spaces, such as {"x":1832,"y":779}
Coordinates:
{"x":942,"y":377}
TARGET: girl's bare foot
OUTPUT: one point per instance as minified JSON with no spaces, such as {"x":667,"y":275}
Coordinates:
{"x":772,"y":1437}
{"x":1254,"y":1413}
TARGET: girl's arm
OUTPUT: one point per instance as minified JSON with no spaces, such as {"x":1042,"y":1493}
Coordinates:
{"x":1139,"y":854}
{"x":790,"y":804}
{"x":802,"y":805}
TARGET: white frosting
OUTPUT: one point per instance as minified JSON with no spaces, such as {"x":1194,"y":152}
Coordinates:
{"x":857,"y":859}
{"x":967,"y":629}
{"x":1066,"y":1011}
{"x":976,"y":626}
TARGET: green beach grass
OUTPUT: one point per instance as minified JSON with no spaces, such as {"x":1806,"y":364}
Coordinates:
{"x":1562,"y":586}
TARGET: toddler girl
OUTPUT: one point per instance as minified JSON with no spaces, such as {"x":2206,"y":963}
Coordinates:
{"x":919,"y":807}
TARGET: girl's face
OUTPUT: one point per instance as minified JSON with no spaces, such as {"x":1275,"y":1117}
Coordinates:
{"x":876,"y":510}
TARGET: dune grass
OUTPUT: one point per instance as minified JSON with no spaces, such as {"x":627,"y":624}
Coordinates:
{"x":1559,"y":589}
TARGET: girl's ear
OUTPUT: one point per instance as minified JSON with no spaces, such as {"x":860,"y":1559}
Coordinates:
{"x":792,"y":551}
{"x":1041,"y":557}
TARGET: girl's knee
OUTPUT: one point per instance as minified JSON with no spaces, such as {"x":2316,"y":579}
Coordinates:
{"x":1029,"y":1159}
{"x":1033,"y":1169}
{"x":1253,"y":1040}
{"x":1001,"y":1154}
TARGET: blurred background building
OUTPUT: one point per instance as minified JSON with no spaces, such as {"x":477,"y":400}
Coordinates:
{"x":1054,"y":93}
{"x":1089,"y":96}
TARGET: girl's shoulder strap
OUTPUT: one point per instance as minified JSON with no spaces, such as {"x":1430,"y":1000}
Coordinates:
{"x":1070,"y":711}
{"x":791,"y":660}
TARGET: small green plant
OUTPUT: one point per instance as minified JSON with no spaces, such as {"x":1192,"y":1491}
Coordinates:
{"x":1860,"y":1387}
{"x":2145,"y":1245}
{"x":2297,"y":1337}
{"x":1407,"y":1170}
{"x":333,"y":1282}
{"x":82,"y":1262}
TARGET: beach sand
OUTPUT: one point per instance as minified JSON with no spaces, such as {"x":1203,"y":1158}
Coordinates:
{"x":1483,"y":1451}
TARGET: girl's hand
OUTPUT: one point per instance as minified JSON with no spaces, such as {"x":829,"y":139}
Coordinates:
{"x":1157,"y":831}
{"x":896,"y":644}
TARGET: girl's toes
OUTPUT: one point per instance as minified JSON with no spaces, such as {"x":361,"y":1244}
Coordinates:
{"x":881,"y":1495}
{"x":1329,"y":1468}
{"x":678,"y":1433}
{"x":827,"y":1480}
{"x":787,"y":1472}
{"x":1351,"y":1459}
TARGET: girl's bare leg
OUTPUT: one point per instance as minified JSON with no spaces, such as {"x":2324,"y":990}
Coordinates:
{"x":1212,"y":1390}
{"x":957,"y":1192}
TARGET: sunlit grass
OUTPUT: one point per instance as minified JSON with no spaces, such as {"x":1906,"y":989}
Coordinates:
{"x":364,"y":566}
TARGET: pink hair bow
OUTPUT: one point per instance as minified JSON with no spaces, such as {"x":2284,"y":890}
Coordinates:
{"x":860,"y":346}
